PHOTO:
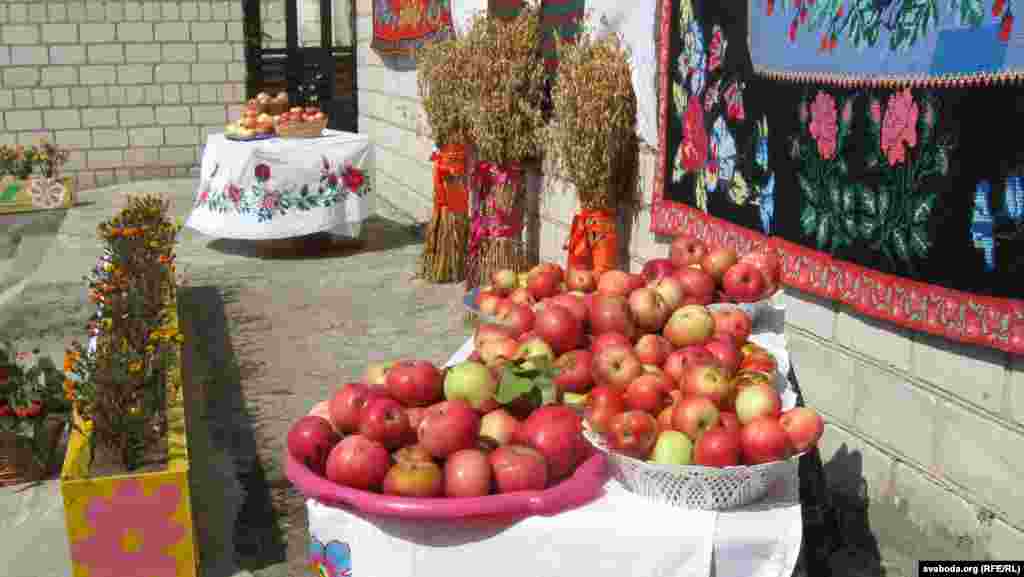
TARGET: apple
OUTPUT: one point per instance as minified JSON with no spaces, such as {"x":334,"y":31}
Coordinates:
{"x":605,"y":340}
{"x":359,"y":463}
{"x":718,"y":447}
{"x":543,"y":284}
{"x":575,"y":371}
{"x":414,"y":479}
{"x":470,"y":382}
{"x":708,"y":381}
{"x":447,"y":427}
{"x":689,"y":325}
{"x":500,"y":426}
{"x":633,"y":433}
{"x":656,"y":269}
{"x":649,"y":310}
{"x":717,"y":261}
{"x":377,"y":374}
{"x":672,"y":448}
{"x":534,"y":348}
{"x":521,"y":296}
{"x":743,"y":283}
{"x":652,"y":349}
{"x":616,"y":365}
{"x":415,"y":383}
{"x":603,"y":403}
{"x":729,"y":421}
{"x":764,"y":440}
{"x":557,"y":432}
{"x":498,"y":352}
{"x":760,"y":361}
{"x":347,"y":404}
{"x":489,"y":302}
{"x":757,"y":401}
{"x":518,"y":317}
{"x":518,"y":468}
{"x":749,"y":378}
{"x":504,"y":280}
{"x":467,"y":473}
{"x":384,"y":420}
{"x":547,"y":267}
{"x":582,"y":280}
{"x":572,"y":303}
{"x":412,"y":453}
{"x":310,"y":441}
{"x":491,"y":332}
{"x":655,"y":370}
{"x":686,"y":251}
{"x":636,"y":281}
{"x":726,"y":354}
{"x":614,"y":283}
{"x":734,"y":322}
{"x":647,"y":393}
{"x":665,"y":418}
{"x":611,"y":314}
{"x":559,"y":328}
{"x":698,"y":286}
{"x":322,"y":410}
{"x":767,"y":261}
{"x":677,"y":362}
{"x":695,"y":416}
{"x":671,"y":290}
{"x":804,"y":427}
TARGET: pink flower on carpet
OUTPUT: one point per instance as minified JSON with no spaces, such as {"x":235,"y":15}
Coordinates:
{"x":234,"y":193}
{"x":695,"y":138}
{"x":847,"y":114}
{"x":823,"y":124}
{"x":899,"y":128}
{"x":125,"y":543}
{"x":876,"y":111}
{"x":270,"y":200}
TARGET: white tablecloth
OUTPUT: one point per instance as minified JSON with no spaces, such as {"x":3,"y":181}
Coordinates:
{"x":283,"y":188}
{"x":618,"y":534}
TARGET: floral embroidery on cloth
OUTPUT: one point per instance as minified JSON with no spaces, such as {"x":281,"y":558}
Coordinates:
{"x":331,"y":560}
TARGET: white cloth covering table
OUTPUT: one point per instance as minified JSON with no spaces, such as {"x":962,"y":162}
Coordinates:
{"x":283,"y":188}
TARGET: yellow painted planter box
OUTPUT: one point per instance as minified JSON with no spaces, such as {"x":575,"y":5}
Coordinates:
{"x":132,"y":525}
{"x":36,"y":193}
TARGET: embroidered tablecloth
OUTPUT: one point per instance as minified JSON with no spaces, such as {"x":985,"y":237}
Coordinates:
{"x":283,"y":188}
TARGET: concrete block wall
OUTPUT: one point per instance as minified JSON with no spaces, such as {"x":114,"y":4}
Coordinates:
{"x":132,"y":88}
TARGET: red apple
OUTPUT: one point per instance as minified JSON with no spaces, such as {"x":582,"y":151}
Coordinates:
{"x":698,"y":286}
{"x":557,"y":432}
{"x":543,"y":284}
{"x":504,"y":280}
{"x":385,"y":421}
{"x":322,"y":410}
{"x":763,"y":440}
{"x":498,"y":352}
{"x":633,"y":433}
{"x":677,"y":362}
{"x":729,"y":421}
{"x":614,"y":283}
{"x":603,"y":403}
{"x":689,"y":325}
{"x":448,"y":427}
{"x":412,"y":453}
{"x":521,"y":296}
{"x":636,"y":281}
{"x":488,"y":302}
{"x":717,"y":261}
{"x":581,"y":280}
{"x":616,"y":366}
{"x":310,"y":441}
{"x":652,"y":349}
{"x":804,"y":426}
{"x":490,"y":332}
{"x":467,"y":473}
{"x":647,"y":393}
{"x":346,"y":406}
{"x":718,"y":447}
{"x":648,"y":309}
{"x":708,"y":381}
{"x":500,"y":426}
{"x":695,"y":416}
{"x":547,"y":267}
{"x":743,"y":283}
{"x":760,"y":361}
{"x":575,"y":371}
{"x":572,"y":303}
{"x":415,"y":383}
{"x":414,"y":479}
{"x":734,"y":322}
{"x":656,"y":269}
{"x":610,"y":314}
{"x":726,"y":354}
{"x":519,"y":318}
{"x":518,"y":468}
{"x":605,"y":340}
{"x":470,"y":382}
{"x":359,"y":463}
{"x":757,"y":401}
{"x":559,"y":328}
{"x":766,"y":261}
{"x":671,"y":290}
{"x":665,"y":419}
{"x":686,"y":250}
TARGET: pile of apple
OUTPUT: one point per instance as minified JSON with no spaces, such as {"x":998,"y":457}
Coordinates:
{"x":663,"y":377}
{"x":300,"y":115}
{"x":412,"y":430}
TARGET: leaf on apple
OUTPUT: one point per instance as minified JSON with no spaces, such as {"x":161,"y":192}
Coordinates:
{"x":531,"y":377}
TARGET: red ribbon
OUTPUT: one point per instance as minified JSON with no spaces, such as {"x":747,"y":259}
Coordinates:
{"x":504,"y":223}
{"x":591,"y":229}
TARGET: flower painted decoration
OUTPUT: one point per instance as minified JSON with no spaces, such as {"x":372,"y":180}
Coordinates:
{"x":824,"y":126}
{"x":734,"y":102}
{"x":767,"y":204}
{"x":262,"y":172}
{"x":899,"y":127}
{"x":694,"y":146}
{"x":761,"y":154}
{"x":331,"y":560}
{"x":693,"y":57}
{"x":139,"y":539}
{"x":353,"y":178}
{"x":724,"y":146}
{"x":716,"y":51}
{"x":712,"y":95}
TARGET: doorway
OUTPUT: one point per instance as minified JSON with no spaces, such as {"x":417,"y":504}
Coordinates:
{"x":306,"y":48}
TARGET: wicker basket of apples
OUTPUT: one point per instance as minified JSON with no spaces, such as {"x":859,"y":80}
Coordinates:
{"x":299,"y":122}
{"x":417,"y":442}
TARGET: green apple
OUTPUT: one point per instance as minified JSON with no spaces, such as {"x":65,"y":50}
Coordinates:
{"x":537,"y":354}
{"x":672,"y":448}
{"x":471,"y":382}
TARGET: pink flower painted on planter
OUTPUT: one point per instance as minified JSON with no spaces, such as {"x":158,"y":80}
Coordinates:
{"x":899,"y":128}
{"x":823,"y":124}
{"x":270,"y":200}
{"x":131,"y":532}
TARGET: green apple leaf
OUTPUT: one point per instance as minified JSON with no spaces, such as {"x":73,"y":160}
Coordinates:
{"x":548,"y":391}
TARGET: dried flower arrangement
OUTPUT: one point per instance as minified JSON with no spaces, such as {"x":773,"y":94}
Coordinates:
{"x":22,"y":162}
{"x":592,"y":141}
{"x":120,"y":385}
{"x":506,"y":74}
{"x":444,"y":92}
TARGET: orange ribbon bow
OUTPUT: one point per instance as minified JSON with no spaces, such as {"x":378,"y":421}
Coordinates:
{"x":450,"y":162}
{"x":593,"y":241}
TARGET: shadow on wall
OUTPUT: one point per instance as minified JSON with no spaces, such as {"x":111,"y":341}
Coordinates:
{"x":855,"y":548}
{"x":236,"y":523}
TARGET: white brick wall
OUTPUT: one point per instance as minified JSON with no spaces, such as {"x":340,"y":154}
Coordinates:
{"x":94,"y":75}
